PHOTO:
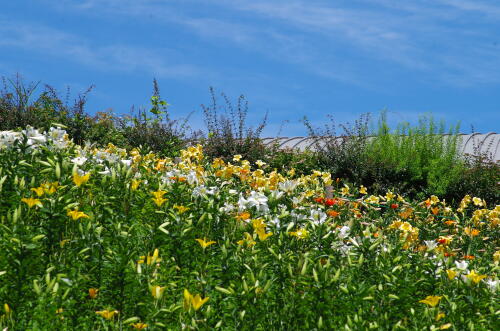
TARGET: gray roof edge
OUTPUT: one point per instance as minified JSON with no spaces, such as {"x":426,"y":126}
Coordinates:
{"x":488,"y":142}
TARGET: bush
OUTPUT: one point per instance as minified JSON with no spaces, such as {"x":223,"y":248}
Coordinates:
{"x":423,"y":158}
{"x":228,"y":133}
{"x":414,"y":160}
{"x":343,"y":155}
{"x":154,"y":130}
{"x":480,"y":177}
{"x":303,"y":163}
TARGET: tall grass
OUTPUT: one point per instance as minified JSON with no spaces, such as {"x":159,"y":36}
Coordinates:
{"x":425,"y":155}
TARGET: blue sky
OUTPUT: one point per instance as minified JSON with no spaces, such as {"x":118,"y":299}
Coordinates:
{"x":291,"y":58}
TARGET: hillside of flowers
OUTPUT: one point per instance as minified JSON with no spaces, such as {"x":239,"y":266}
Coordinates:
{"x":114,"y":239}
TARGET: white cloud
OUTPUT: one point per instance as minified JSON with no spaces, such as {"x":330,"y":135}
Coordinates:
{"x":442,"y":40}
{"x":490,"y":10}
{"x":114,"y":57}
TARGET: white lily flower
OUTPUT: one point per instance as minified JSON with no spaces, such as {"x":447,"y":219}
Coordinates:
{"x":288,"y":186}
{"x":258,"y":200}
{"x":276,"y":194}
{"x":79,"y":161}
{"x":227,"y":208}
{"x":192,"y":178}
{"x":318,"y":216}
{"x":431,"y":244}
{"x":492,"y":284}
{"x":462,"y":265}
{"x":106,"y":171}
{"x":276,"y":222}
{"x":343,"y":232}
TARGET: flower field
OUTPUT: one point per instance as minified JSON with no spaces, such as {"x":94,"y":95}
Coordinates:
{"x":110,"y":239}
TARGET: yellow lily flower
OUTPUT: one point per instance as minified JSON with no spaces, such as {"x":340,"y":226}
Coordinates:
{"x":431,"y":300}
{"x":260,"y":228}
{"x":344,"y":190}
{"x":496,"y":256}
{"x":261,"y":232}
{"x":93,"y":292}
{"x":477,"y":201}
{"x":204,"y":244}
{"x":471,"y":232}
{"x":373,"y":199}
{"x":154,"y":258}
{"x":181,"y":209}
{"x":50,"y":188}
{"x":139,"y":325}
{"x":389,"y":195}
{"x":135,"y":184}
{"x":451,"y":274}
{"x":248,"y":240}
{"x":440,"y":316}
{"x":193,"y":301}
{"x":187,"y":299}
{"x":362,"y":190}
{"x":107,"y":314}
{"x":158,"y":199}
{"x":80,"y":180}
{"x":151,"y":259}
{"x":39,"y":191}
{"x":475,"y":277}
{"x":76,"y":215}
{"x":157,"y":291}
{"x":32,"y":202}
{"x":197,"y":301}
{"x":300,"y":233}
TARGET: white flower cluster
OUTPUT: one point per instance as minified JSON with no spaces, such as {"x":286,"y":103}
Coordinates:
{"x":56,"y":137}
{"x":255,"y":199}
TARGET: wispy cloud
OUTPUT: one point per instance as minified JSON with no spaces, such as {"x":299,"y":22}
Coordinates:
{"x":491,"y":9}
{"x":441,"y":39}
{"x":114,"y":57}
{"x":421,"y":36}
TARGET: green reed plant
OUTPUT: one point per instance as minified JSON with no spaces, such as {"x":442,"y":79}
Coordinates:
{"x":425,"y":154}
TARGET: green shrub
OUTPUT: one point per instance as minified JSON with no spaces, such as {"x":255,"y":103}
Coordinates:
{"x":343,"y":155}
{"x":228,"y":133}
{"x":153,"y":129}
{"x":414,"y":160}
{"x":480,"y":177}
{"x":424,"y":157}
{"x":304,"y":163}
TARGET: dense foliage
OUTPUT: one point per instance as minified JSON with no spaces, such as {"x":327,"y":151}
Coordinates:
{"x":108,"y":239}
{"x":417,"y":161}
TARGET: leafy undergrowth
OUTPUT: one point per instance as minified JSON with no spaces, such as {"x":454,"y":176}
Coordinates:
{"x":109,"y":239}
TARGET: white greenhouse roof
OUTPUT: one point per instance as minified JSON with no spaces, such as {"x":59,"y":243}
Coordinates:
{"x":470,"y":143}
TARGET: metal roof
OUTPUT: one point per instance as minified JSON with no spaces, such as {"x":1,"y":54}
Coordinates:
{"x":470,"y":143}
